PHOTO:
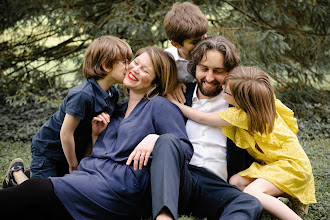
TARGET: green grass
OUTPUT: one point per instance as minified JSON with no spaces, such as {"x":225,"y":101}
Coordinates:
{"x":11,"y":150}
{"x":317,"y":151}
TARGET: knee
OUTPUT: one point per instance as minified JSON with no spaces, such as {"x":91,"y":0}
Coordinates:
{"x":168,"y":144}
{"x":237,"y":180}
{"x":234,"y":180}
{"x":256,"y":204}
{"x":252,"y":202}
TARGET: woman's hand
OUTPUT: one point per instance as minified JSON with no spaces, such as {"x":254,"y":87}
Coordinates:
{"x":141,"y":153}
{"x":99,"y":123}
{"x":177,"y":93}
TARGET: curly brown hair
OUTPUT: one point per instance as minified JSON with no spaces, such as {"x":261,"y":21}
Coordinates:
{"x":218,"y":43}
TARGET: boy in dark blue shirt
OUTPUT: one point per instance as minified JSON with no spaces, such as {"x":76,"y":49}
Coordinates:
{"x":63,"y":140}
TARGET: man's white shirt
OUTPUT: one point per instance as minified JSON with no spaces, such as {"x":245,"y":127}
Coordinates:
{"x":183,"y":75}
{"x":210,"y":144}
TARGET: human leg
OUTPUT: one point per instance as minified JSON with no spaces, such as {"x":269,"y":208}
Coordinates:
{"x":170,"y":178}
{"x":15,"y":166}
{"x":20,"y":177}
{"x":221,"y":199}
{"x":265,"y":192}
{"x":240,"y":181}
{"x":44,"y":167}
{"x":37,"y":199}
{"x":164,"y":214}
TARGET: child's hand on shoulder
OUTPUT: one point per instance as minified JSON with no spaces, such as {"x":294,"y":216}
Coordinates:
{"x":178,"y":93}
{"x":172,"y":99}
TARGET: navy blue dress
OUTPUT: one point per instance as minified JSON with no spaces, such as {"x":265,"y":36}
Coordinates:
{"x":104,"y":184}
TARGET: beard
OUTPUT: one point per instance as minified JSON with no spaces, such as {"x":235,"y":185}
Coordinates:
{"x":209,"y":92}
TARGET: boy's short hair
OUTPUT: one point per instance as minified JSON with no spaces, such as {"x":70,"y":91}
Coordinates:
{"x":184,"y":21}
{"x":105,"y":50}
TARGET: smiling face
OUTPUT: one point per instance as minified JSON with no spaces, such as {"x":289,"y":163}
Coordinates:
{"x":210,"y":73}
{"x":140,"y":74}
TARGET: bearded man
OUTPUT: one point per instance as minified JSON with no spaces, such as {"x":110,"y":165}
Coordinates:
{"x":199,"y":187}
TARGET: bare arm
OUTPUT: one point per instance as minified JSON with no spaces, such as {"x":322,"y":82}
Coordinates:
{"x":199,"y":116}
{"x":70,"y":124}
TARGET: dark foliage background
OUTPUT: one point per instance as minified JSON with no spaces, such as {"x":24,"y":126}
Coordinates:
{"x":288,"y":39}
{"x":42,"y":44}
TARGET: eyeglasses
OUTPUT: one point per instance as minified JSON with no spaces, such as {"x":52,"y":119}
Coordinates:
{"x":224,"y":91}
{"x":125,"y":61}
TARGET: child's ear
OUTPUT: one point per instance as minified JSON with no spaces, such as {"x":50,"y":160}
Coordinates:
{"x":175,"y":44}
{"x":107,"y":69}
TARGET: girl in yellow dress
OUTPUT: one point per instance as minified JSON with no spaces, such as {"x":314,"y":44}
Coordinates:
{"x":266,"y":128}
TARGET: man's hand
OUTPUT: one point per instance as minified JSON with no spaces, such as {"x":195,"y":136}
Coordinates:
{"x":141,"y":153}
{"x":99,"y":123}
{"x":178,"y":93}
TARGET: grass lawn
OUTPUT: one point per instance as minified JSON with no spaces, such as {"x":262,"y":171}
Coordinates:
{"x":317,"y":151}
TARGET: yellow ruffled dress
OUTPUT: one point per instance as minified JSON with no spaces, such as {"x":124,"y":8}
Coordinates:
{"x":282,"y":161}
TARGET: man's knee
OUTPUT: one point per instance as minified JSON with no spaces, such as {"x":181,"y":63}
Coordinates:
{"x":252,"y":203}
{"x":168,"y":144}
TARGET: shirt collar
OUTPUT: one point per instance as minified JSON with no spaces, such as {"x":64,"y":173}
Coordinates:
{"x":99,"y":90}
{"x":175,"y":53}
{"x":195,"y":99}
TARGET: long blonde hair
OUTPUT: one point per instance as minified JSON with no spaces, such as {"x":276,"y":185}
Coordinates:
{"x":254,"y":94}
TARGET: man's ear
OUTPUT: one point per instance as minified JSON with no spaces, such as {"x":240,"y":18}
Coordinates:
{"x":175,"y":44}
{"x":107,"y":69}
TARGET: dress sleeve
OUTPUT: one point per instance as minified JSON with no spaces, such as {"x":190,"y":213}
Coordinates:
{"x":235,"y":116}
{"x":78,"y":104}
{"x":287,"y":116}
{"x":168,"y":119}
{"x":238,"y":132}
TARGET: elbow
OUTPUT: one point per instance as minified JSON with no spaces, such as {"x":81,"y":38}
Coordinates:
{"x":62,"y":134}
{"x":65,"y":134}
